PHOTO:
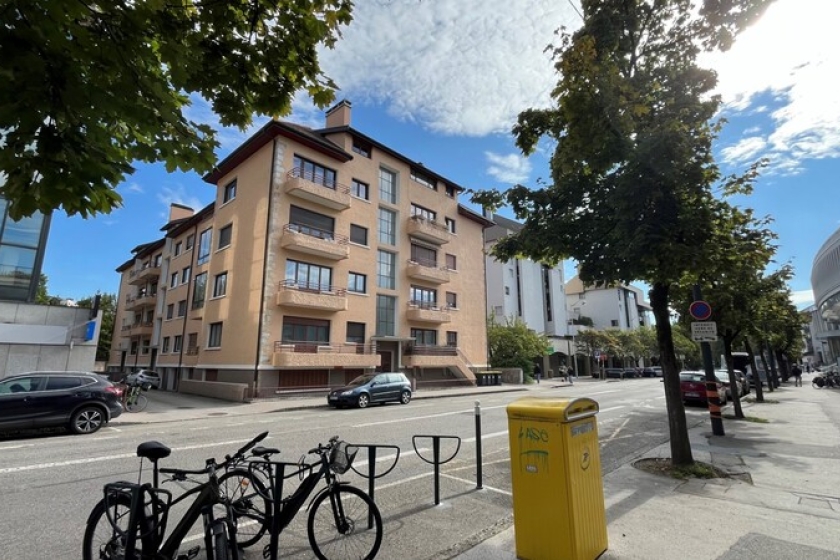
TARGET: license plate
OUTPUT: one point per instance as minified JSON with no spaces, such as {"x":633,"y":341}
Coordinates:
{"x":692,"y":394}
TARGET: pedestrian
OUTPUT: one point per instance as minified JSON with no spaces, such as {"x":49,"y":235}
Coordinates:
{"x":537,"y":372}
{"x":797,"y":376}
{"x":808,"y":367}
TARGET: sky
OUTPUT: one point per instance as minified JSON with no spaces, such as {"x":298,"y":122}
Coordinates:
{"x":443,"y":81}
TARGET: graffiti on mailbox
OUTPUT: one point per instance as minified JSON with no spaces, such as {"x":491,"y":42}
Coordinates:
{"x":533,"y":449}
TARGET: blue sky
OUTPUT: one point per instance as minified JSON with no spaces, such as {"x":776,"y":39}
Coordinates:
{"x":442,"y":82}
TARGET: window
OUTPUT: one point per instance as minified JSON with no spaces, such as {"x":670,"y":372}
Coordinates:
{"x":387,"y":226}
{"x":450,"y":191}
{"x":614,"y":323}
{"x":199,"y":290}
{"x":220,"y":285}
{"x":386,"y":315}
{"x":229,"y":192}
{"x":423,"y":255}
{"x":204,"y":244}
{"x":182,"y":308}
{"x":356,"y":332}
{"x":314,"y":172}
{"x":165,"y":348}
{"x":176,"y":347}
{"x":215,"y":338}
{"x":360,"y":190}
{"x":158,"y":260}
{"x":62,"y":383}
{"x":192,"y":343}
{"x":304,"y":329}
{"x":173,"y":281}
{"x":134,"y":346}
{"x":170,"y":310}
{"x":387,"y":186}
{"x":423,"y":178}
{"x":423,"y":297}
{"x":308,"y":276}
{"x":450,"y":225}
{"x":451,"y":338}
{"x":451,"y":300}
{"x":423,"y":213}
{"x":146,"y":346}
{"x":357,"y":283}
{"x":311,"y":223}
{"x":507,"y":290}
{"x":225,"y":235}
{"x":177,"y":248}
{"x":361,"y":147}
{"x":451,"y":262}
{"x":424,"y":337}
{"x":185,"y":275}
{"x":385,"y":270}
{"x":190,"y":241}
{"x":358,"y":234}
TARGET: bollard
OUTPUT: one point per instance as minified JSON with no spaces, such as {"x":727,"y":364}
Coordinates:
{"x":478,"y":475}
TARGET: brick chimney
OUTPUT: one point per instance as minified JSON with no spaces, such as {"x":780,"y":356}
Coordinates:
{"x":179,"y":211}
{"x":339,"y":114}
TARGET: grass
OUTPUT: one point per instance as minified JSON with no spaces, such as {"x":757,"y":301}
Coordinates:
{"x":663,"y":466}
{"x":765,"y":401}
{"x":755,"y":419}
{"x":697,"y":470}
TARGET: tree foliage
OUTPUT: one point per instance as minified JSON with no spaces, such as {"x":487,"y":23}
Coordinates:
{"x":632,"y":167}
{"x":91,"y":87}
{"x":513,"y":344}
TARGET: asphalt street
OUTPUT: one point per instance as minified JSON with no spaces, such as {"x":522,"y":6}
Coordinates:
{"x":49,"y":483}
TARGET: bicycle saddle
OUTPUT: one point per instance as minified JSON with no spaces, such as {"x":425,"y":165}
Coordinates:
{"x":260,"y":451}
{"x":153,"y":450}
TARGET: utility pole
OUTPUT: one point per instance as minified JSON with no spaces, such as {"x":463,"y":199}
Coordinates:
{"x":701,"y":311}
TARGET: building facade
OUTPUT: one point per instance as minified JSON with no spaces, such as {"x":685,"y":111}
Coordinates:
{"x":825,"y":283}
{"x":324,"y":255}
{"x":615,"y":307}
{"x":532,"y":292}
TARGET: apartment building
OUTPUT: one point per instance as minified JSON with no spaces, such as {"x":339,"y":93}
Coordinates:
{"x":325,"y":254}
{"x":610,"y":307}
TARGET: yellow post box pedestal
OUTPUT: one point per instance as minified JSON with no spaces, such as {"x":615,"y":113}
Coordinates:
{"x":558,"y":492}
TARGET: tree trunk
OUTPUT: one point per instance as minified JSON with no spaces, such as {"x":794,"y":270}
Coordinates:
{"x":771,"y":385}
{"x":784,"y":370}
{"x":759,"y":390}
{"x":733,"y":381}
{"x":677,"y":426}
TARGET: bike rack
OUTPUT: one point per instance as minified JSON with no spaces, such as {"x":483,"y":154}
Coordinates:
{"x":159,"y":501}
{"x":436,"y":460}
{"x":372,"y":475}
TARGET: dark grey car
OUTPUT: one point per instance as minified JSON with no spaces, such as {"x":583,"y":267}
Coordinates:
{"x":372,"y":388}
{"x":81,"y":401}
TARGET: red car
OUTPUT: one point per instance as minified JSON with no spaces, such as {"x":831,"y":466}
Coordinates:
{"x":693,"y":387}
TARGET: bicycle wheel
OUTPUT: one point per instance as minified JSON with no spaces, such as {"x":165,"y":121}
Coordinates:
{"x":338,"y":525}
{"x":219,"y":540}
{"x":102,"y":540}
{"x":250,"y":510}
{"x":137,"y":404}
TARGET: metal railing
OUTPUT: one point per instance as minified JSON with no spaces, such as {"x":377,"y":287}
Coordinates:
{"x":430,"y":305}
{"x":432,"y":223}
{"x":428,"y":263}
{"x":320,"y":180}
{"x":317,"y":233}
{"x":312,"y":346}
{"x":313,"y":287}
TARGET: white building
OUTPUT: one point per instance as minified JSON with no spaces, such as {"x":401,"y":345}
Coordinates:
{"x":529,"y":291}
{"x":825,"y":282}
{"x":615,"y":307}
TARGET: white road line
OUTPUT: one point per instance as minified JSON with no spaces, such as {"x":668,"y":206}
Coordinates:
{"x":617,"y":431}
{"x":604,"y":392}
{"x":485,"y":436}
{"x":17,"y":446}
{"x":394,"y":421}
{"x":611,"y":408}
{"x":472,"y":483}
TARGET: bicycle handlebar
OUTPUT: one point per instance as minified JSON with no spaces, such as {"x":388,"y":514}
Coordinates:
{"x":211,"y":464}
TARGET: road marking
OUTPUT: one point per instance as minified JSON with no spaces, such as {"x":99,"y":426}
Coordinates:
{"x":394,"y":421}
{"x":17,"y":446}
{"x":617,"y":431}
{"x":611,"y":408}
{"x":604,"y":392}
{"x":485,"y":436}
{"x":472,"y":482}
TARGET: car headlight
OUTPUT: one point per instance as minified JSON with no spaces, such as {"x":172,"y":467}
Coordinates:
{"x":345,"y":393}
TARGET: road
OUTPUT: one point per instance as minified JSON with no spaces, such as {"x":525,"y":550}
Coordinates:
{"x":49,"y":483}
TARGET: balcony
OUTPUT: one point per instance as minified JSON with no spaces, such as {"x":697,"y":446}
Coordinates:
{"x":427,"y":312}
{"x":428,"y":230}
{"x":322,"y":355}
{"x":138,"y":302}
{"x":313,"y":241}
{"x":317,"y":189}
{"x":311,"y":296}
{"x":142,"y":329}
{"x":430,"y":356}
{"x":428,"y":272}
{"x":141,"y":276}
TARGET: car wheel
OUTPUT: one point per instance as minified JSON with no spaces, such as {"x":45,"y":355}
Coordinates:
{"x":87,"y":420}
{"x":405,"y":397}
{"x":364,"y":400}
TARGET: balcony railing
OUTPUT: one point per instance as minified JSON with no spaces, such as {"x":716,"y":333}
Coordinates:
{"x":314,"y":241}
{"x":318,"y":189}
{"x":312,"y":346}
{"x":432,"y":231}
{"x":312,"y":295}
{"x":428,"y":270}
{"x":192,"y":351}
{"x":142,"y":275}
{"x":319,"y":355}
{"x":428,"y":312}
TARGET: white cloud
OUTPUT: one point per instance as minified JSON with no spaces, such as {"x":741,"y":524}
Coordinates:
{"x":178,"y":194}
{"x":135,"y":188}
{"x":511,"y":168}
{"x":463,"y":67}
{"x":802,"y":298}
{"x":744,"y":150}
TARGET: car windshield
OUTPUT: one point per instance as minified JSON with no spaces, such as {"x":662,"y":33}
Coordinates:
{"x":695,"y":377}
{"x":361,"y":380}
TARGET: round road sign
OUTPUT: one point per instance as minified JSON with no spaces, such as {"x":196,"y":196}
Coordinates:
{"x":700,"y":310}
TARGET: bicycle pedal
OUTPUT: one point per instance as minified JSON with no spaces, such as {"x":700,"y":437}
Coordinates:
{"x":191,"y":553}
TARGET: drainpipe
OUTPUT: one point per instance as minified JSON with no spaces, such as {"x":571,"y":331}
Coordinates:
{"x":187,"y":313}
{"x":265,"y":266}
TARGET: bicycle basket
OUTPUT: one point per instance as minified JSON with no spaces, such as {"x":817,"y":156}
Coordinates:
{"x":341,"y":456}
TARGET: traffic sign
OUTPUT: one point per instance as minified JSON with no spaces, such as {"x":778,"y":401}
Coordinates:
{"x":700,"y":310}
{"x":704,"y":331}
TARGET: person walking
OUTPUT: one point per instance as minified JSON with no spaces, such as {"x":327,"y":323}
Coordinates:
{"x":797,"y":375}
{"x":537,"y":372}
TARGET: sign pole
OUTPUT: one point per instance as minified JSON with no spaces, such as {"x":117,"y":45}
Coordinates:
{"x":712,"y":395}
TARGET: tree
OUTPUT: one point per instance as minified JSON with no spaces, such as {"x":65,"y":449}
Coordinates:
{"x":632,"y":168}
{"x":108,"y":306}
{"x":91,"y":87}
{"x":514,"y":345}
{"x":42,"y":296}
{"x":593,"y":340}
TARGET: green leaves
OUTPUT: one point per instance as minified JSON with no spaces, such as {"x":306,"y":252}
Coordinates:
{"x":91,"y":88}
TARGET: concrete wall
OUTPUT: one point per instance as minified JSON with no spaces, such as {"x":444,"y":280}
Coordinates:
{"x":234,"y":392}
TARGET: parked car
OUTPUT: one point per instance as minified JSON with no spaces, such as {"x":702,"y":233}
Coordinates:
{"x":762,"y":376}
{"x":693,"y":387}
{"x":614,"y":373}
{"x":144,"y":376}
{"x":81,"y":401}
{"x":651,"y":372}
{"x":372,"y":388}
{"x":631,"y":372}
{"x":723,"y":376}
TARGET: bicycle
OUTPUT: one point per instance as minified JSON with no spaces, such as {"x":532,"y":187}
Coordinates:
{"x":132,"y":398}
{"x":129,"y":523}
{"x":340,"y":515}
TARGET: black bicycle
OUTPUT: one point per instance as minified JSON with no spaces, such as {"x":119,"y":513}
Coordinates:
{"x":344,"y":522}
{"x":129,"y":523}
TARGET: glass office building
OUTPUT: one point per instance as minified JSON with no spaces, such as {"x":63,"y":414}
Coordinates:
{"x":22,"y":245}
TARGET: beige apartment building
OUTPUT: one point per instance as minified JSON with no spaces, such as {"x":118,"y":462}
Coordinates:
{"x":325,"y":255}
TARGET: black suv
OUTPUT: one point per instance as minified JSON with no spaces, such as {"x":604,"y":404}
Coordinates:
{"x":81,"y":401}
{"x":372,"y":388}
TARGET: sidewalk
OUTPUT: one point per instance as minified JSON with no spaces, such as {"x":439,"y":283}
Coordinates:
{"x":782,"y":503}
